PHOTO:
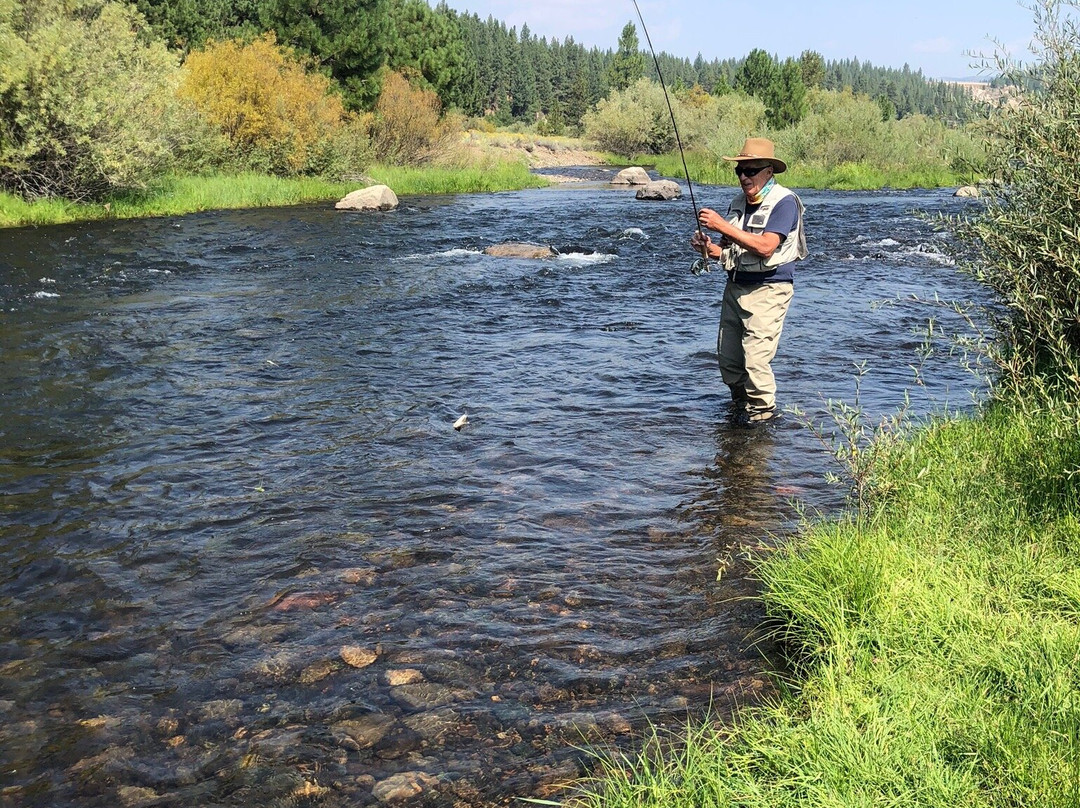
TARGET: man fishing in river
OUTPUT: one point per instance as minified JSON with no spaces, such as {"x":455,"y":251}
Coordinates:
{"x":761,"y":238}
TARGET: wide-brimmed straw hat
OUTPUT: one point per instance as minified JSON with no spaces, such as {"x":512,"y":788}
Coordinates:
{"x":759,"y":148}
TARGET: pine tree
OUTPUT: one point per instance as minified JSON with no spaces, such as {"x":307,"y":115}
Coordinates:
{"x":812,"y":67}
{"x":466,"y":94}
{"x":629,"y":63}
{"x":189,"y":24}
{"x":349,"y":37}
{"x":577,"y":99}
{"x":524,"y":99}
{"x":757,"y":74}
{"x":786,"y":96}
{"x":428,"y":48}
{"x":503,"y":49}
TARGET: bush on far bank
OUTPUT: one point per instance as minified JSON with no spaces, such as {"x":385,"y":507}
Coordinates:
{"x":408,"y":126}
{"x":843,"y":141}
{"x":848,"y":128}
{"x":637,"y":120}
{"x":271,"y":109}
{"x":89,"y":103}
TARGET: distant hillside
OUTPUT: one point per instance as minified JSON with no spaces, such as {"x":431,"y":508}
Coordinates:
{"x":982,"y":91}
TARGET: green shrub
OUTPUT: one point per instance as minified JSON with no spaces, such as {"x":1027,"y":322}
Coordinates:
{"x":88,"y":100}
{"x":633,"y":120}
{"x":738,"y":116}
{"x":637,"y":120}
{"x":841,"y":127}
{"x":1025,"y":242}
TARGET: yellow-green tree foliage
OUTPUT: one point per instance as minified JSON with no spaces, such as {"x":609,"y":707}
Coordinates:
{"x":846,"y":128}
{"x":637,"y":120}
{"x":737,"y":116}
{"x":87,"y":100}
{"x":277,"y":114}
{"x":408,"y":127}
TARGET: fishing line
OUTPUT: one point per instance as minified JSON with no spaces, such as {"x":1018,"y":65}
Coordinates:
{"x":702,"y":264}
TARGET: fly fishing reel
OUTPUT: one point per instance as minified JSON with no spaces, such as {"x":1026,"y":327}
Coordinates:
{"x":701,"y":266}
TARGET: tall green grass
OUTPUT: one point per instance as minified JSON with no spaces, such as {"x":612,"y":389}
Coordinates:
{"x":469,"y":179}
{"x":935,"y":637}
{"x":190,"y":194}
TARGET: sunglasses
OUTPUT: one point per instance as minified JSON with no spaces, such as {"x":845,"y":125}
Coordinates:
{"x":745,"y":171}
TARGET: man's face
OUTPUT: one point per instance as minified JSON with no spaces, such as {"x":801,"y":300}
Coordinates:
{"x":753,"y":174}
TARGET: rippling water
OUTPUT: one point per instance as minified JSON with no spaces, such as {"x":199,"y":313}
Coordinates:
{"x":247,"y":559}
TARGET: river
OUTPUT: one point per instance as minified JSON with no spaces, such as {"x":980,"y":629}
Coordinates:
{"x":248,"y":559}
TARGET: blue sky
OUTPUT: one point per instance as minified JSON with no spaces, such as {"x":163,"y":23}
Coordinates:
{"x":931,"y":35}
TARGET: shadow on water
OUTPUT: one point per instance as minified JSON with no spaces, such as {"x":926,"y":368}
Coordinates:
{"x":248,"y":559}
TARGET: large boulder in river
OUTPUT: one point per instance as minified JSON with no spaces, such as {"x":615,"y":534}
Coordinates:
{"x":376,"y":197}
{"x":635,"y":175}
{"x":519,"y":249}
{"x":660,"y":189}
{"x":967,"y":190}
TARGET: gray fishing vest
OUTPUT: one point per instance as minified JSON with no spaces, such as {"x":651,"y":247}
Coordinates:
{"x":790,"y":249}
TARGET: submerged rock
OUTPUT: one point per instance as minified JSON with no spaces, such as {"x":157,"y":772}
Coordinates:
{"x":220,"y":709}
{"x":433,"y":725}
{"x":426,"y":695}
{"x":376,"y":197}
{"x":359,"y":575}
{"x":137,"y":796}
{"x":404,"y":786}
{"x":363,"y":732}
{"x":403,"y":676}
{"x":358,"y":657}
{"x":519,"y":249}
{"x":303,"y":601}
{"x":316,"y":672}
{"x":660,"y":189}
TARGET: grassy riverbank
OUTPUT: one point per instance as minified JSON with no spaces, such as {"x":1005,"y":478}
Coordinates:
{"x":487,"y":162}
{"x":190,"y":194}
{"x":936,"y":640}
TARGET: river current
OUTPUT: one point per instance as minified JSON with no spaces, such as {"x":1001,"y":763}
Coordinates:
{"x":247,"y":559}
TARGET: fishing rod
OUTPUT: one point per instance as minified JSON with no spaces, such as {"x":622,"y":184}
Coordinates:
{"x":701,"y":264}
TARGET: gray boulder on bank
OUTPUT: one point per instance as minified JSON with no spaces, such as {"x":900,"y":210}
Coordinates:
{"x":660,"y":189}
{"x":519,"y":249}
{"x":635,"y":175}
{"x":376,"y":197}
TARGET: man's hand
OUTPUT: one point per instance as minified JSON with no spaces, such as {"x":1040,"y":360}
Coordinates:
{"x":707,"y":217}
{"x":702,"y":244}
